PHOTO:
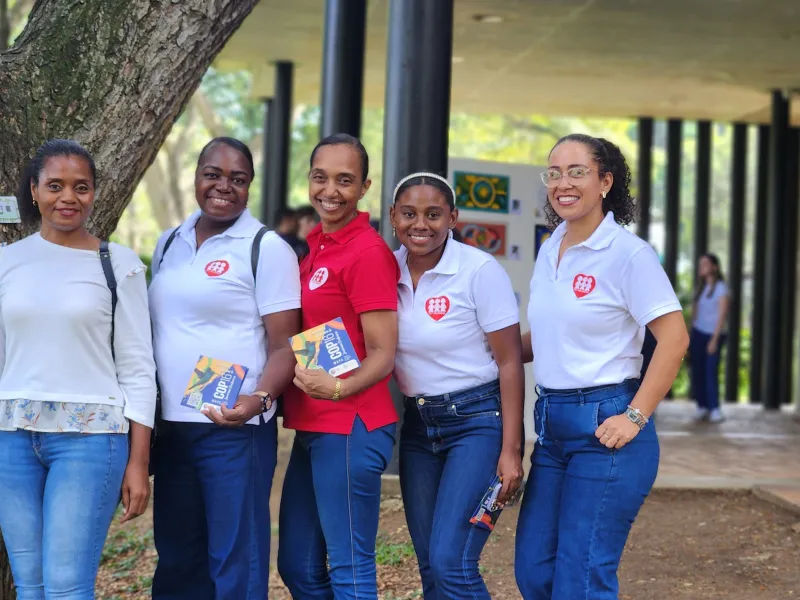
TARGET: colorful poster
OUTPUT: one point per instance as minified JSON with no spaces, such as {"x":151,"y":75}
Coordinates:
{"x":542,"y":234}
{"x":489,"y":237}
{"x":476,"y":191}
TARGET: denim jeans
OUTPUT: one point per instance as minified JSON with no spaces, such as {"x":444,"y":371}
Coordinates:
{"x":449,"y":449}
{"x":705,"y":369}
{"x":211,"y":510}
{"x":329,"y":510}
{"x":58,"y":494}
{"x":581,"y":498}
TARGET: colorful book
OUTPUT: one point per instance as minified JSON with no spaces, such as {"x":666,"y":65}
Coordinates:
{"x":326,"y":346}
{"x":214,"y":383}
{"x":488,"y":510}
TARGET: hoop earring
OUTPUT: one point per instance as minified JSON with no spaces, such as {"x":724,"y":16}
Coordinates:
{"x":35,"y":203}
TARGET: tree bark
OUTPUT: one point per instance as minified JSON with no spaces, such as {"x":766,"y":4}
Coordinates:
{"x":113,"y":75}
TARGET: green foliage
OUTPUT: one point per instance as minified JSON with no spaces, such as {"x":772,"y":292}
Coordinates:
{"x":392,"y":553}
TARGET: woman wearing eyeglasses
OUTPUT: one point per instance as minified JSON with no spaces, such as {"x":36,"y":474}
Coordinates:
{"x":594,"y":289}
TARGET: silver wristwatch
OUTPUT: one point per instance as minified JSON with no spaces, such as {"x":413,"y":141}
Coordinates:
{"x":635,"y":416}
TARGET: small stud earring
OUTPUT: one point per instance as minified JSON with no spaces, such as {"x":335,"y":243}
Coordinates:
{"x":604,"y":195}
{"x":35,"y":203}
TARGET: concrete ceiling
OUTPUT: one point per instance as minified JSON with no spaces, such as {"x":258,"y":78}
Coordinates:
{"x":695,"y":59}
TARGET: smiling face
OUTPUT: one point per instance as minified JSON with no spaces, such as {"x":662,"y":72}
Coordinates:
{"x":335,"y":184}
{"x":579,"y":189}
{"x":422,"y":219}
{"x":64,"y":192}
{"x":222,"y":183}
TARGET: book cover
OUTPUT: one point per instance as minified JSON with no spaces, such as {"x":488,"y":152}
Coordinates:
{"x":326,"y":346}
{"x":213,"y":383}
{"x":488,"y":511}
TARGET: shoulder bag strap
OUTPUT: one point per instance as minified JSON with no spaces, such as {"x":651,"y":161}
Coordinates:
{"x":111,"y":282}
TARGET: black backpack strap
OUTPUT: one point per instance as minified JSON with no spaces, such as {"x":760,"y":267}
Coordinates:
{"x":167,"y":244}
{"x":111,"y":282}
{"x":255,"y":251}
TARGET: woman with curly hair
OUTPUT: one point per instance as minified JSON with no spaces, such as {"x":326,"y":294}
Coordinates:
{"x":594,"y":289}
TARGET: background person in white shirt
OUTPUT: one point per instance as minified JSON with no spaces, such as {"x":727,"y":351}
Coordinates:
{"x":594,"y":289}
{"x":459,"y":365}
{"x":213,"y":479}
{"x":67,"y":396}
{"x":709,"y":317}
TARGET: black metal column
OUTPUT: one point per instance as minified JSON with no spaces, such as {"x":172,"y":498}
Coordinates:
{"x":673,"y":199}
{"x":702,"y":193}
{"x":343,"y":67}
{"x":759,"y":264}
{"x":789,"y":258}
{"x":417,"y":106}
{"x":280,"y":126}
{"x":771,"y":351}
{"x":644,"y":175}
{"x":736,"y":253}
{"x":268,"y":115}
{"x":418,"y":72}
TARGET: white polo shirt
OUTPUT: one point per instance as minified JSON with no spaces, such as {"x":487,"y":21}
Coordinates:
{"x":587,"y":315}
{"x":442,"y":345}
{"x":205,"y":302}
{"x":708,"y":308}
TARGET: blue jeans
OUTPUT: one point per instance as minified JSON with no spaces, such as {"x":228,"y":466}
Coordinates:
{"x":581,"y":498}
{"x":58,"y":494}
{"x":449,"y":449}
{"x":329,"y":510}
{"x":211,"y":510}
{"x":705,"y":369}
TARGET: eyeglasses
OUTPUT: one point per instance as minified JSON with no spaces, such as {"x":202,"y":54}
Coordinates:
{"x":575,"y":175}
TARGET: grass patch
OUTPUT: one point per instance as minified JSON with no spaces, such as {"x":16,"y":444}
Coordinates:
{"x":392,"y":553}
{"x":126,"y":546}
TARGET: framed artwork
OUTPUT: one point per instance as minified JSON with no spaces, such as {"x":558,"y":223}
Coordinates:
{"x":542,"y":234}
{"x":476,"y":191}
{"x":489,"y":237}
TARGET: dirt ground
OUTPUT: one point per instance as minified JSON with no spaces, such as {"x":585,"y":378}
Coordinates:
{"x":692,"y":545}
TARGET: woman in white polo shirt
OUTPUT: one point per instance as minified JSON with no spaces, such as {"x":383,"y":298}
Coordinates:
{"x":594,"y":289}
{"x":709,"y":316}
{"x":458,"y":363}
{"x":210,"y":296}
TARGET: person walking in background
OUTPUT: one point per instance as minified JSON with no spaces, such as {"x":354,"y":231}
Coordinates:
{"x":709,"y":318}
{"x":226,"y":289}
{"x":77,"y":376}
{"x":459,"y":366}
{"x":288,"y":228}
{"x":594,"y":289}
{"x":345,"y":426}
{"x":307,"y":219}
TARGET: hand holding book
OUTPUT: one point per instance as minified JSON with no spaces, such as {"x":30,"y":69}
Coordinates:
{"x":246,"y":408}
{"x":323,"y":353}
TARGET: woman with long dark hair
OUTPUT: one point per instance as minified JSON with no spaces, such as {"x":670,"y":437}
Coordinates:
{"x":594,"y":289}
{"x":709,"y":317}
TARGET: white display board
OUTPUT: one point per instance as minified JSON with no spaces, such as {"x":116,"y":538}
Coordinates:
{"x":500,"y":207}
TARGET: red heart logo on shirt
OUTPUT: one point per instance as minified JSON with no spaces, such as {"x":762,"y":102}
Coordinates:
{"x":583,"y":285}
{"x":437,"y":307}
{"x":217,"y":267}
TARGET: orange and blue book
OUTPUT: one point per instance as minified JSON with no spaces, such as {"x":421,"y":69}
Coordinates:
{"x":488,"y":511}
{"x":214,"y":383}
{"x":326,"y":346}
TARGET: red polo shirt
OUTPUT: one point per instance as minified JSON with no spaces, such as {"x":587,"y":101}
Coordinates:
{"x":346,"y":273}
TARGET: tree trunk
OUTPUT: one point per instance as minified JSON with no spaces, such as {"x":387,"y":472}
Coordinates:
{"x":113,"y":75}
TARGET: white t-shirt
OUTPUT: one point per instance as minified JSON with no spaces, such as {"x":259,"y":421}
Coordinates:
{"x":205,"y":302}
{"x":442,"y":344}
{"x":587,"y":315}
{"x":55,"y":308}
{"x":707,"y":308}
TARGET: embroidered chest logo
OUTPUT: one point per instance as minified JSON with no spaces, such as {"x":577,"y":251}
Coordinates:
{"x":437,"y":307}
{"x":583,"y":285}
{"x":318,"y":279}
{"x":217,"y":267}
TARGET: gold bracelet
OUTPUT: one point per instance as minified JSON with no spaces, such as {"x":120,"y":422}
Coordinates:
{"x":337,"y":389}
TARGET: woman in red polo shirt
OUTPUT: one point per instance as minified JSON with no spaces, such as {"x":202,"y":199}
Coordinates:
{"x":345,"y":427}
